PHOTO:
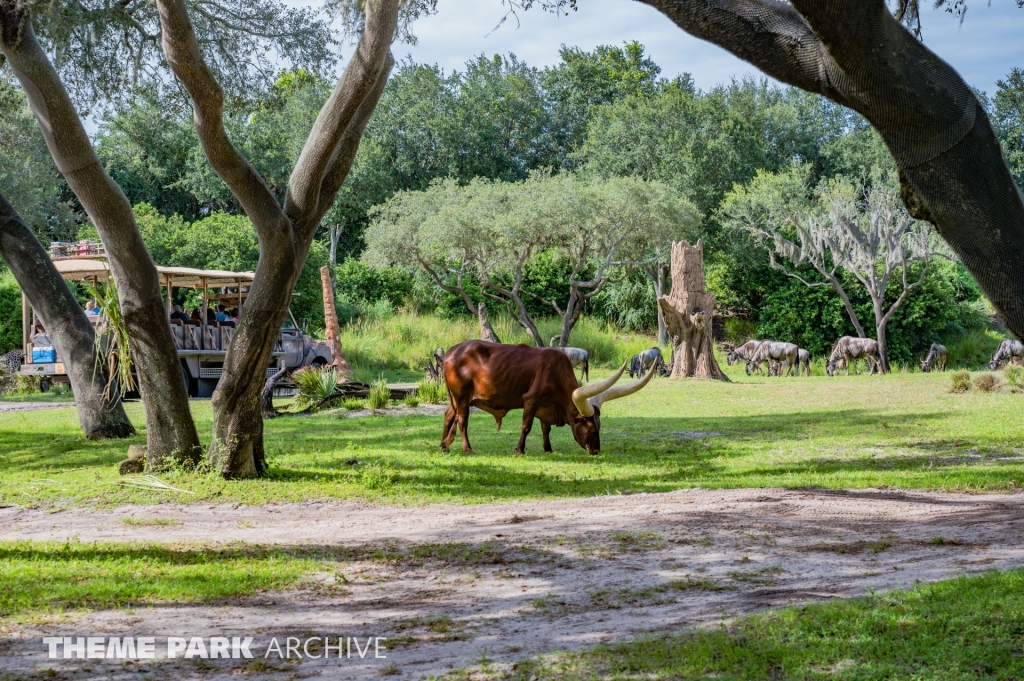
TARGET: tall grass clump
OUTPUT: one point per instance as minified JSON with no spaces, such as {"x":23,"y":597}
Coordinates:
{"x":961,"y":382}
{"x":1014,"y":376}
{"x":380,"y":395}
{"x":974,"y":349}
{"x":314,"y":384}
{"x":432,"y":392}
{"x":986,"y":382}
{"x":407,"y":341}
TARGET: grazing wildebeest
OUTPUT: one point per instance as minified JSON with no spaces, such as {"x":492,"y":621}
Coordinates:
{"x":1009,"y":349}
{"x":848,"y":350}
{"x":743,"y":352}
{"x":936,"y":358}
{"x":783,"y":353}
{"x":580,"y":359}
{"x":540,"y":381}
{"x":647,"y":358}
{"x":803,"y":363}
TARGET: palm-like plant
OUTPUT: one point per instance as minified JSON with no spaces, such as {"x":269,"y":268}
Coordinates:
{"x":112,"y":346}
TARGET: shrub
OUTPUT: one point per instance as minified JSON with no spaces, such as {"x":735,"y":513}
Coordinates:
{"x":315,"y":384}
{"x":1014,"y":376}
{"x":432,"y":392}
{"x":380,"y":394}
{"x":986,"y":382}
{"x":377,"y":477}
{"x":961,"y":382}
{"x":354,"y":404}
{"x":974,"y":349}
{"x":10,"y":313}
{"x":412,"y":401}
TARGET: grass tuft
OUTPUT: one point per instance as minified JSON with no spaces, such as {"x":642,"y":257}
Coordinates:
{"x":380,"y":395}
{"x":961,"y":382}
{"x":987,"y":383}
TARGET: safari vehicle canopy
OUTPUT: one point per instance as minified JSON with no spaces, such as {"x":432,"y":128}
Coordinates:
{"x":202,"y":343}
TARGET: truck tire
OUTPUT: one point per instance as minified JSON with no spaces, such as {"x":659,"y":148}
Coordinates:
{"x":44,"y":385}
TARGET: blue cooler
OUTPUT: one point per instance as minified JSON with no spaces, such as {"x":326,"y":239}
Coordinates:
{"x":44,"y":355}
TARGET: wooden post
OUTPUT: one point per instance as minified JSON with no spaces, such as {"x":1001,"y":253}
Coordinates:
{"x":170,"y":299}
{"x":688,"y":311}
{"x":332,"y":325}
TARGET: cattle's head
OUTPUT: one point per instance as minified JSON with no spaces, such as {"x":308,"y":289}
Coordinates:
{"x":731,"y":357}
{"x":925,"y":366}
{"x":993,"y":365}
{"x":586,"y":422}
{"x":752,"y":366}
{"x":831,"y":367}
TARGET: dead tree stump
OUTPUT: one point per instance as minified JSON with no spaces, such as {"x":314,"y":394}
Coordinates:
{"x":688,"y":310}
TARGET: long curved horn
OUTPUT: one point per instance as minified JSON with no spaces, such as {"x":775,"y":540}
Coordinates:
{"x":618,"y":391}
{"x":581,"y":396}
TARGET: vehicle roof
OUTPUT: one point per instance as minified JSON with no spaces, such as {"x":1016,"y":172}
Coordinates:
{"x":183,"y":277}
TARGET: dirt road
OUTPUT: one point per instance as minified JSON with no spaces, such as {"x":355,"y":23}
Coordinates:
{"x":526,"y":578}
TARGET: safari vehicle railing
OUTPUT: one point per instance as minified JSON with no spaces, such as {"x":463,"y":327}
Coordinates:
{"x":201,"y":343}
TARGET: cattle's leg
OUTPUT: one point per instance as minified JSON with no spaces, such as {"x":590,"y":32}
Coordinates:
{"x":448,"y":432}
{"x":529,"y":409}
{"x":463,"y":419}
{"x":545,"y":429}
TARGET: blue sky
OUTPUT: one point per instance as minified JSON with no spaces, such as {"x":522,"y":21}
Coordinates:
{"x":983,"y":50}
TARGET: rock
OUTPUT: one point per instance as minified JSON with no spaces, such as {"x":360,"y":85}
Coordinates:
{"x":136,"y":452}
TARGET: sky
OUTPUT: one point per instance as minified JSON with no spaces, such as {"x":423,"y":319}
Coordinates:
{"x":983,"y":49}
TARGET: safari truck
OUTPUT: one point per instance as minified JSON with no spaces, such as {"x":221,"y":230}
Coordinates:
{"x":202,"y":343}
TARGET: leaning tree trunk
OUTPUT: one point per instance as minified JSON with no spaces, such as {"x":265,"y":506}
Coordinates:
{"x":65,"y":321}
{"x":170,"y":430}
{"x":487,"y":332}
{"x":333,"y":328}
{"x":688,"y":311}
{"x":284,"y":232}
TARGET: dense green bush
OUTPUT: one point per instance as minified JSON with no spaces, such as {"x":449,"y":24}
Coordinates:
{"x":360,"y":284}
{"x":10,"y":313}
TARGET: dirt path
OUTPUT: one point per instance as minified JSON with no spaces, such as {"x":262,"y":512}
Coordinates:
{"x":543,"y":576}
{"x":32,"y":406}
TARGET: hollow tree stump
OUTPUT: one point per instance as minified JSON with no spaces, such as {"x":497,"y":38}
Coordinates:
{"x":688,"y":310}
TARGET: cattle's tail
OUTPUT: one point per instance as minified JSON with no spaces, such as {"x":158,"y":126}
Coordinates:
{"x":586,"y":368}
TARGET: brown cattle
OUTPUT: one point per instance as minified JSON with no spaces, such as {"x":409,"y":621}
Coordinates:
{"x":540,"y":381}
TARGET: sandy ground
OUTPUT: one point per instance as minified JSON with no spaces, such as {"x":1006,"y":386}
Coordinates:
{"x":547,"y":575}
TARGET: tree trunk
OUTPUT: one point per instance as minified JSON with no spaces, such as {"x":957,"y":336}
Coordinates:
{"x":883,"y":347}
{"x":659,"y":291}
{"x":573,"y":308}
{"x":486,"y":330}
{"x":334,"y":234}
{"x":333,"y":328}
{"x":688,"y":311}
{"x":267,"y":398}
{"x":170,"y":430}
{"x":71,"y":331}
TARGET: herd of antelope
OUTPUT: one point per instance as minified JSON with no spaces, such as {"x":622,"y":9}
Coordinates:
{"x":786,"y":359}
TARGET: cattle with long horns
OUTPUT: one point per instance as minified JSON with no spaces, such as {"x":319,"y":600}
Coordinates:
{"x":540,"y":381}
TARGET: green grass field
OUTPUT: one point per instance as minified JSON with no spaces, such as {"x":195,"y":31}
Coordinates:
{"x":960,"y":629}
{"x":900,"y":430}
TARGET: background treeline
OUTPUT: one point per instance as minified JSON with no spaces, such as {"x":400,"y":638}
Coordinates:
{"x":602,"y":114}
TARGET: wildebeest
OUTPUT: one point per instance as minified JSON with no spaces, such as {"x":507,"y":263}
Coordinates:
{"x":848,"y":350}
{"x":936,"y":358}
{"x":803,"y":363}
{"x":773,"y":350}
{"x":743,"y":352}
{"x":580,"y":359}
{"x":647,"y":358}
{"x":1009,"y":349}
{"x":540,"y":381}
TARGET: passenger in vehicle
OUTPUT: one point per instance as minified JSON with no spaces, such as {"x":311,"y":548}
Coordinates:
{"x":211,"y":316}
{"x":222,"y":315}
{"x":233,"y":315}
{"x":179,"y":314}
{"x":197,"y":315}
{"x":90,"y":308}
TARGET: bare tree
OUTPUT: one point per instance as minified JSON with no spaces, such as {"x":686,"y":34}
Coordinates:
{"x":170,"y":430}
{"x":861,"y":228}
{"x":286,"y":231}
{"x":857,"y":54}
{"x":65,"y":321}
